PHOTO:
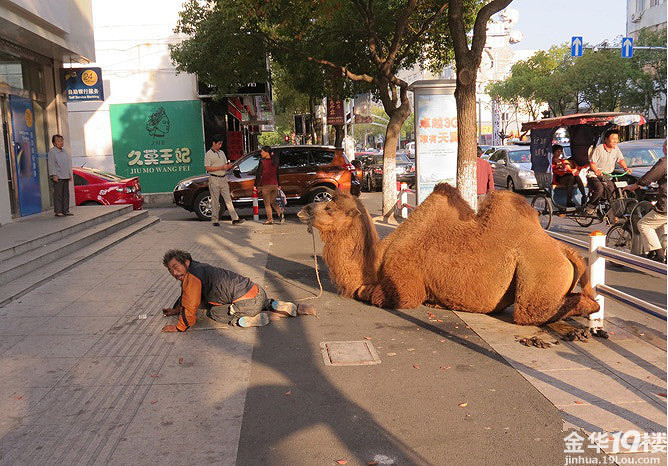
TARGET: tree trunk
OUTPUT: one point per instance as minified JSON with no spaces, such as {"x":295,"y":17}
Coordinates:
{"x":338,"y":138}
{"x":466,"y":137}
{"x":392,"y":132}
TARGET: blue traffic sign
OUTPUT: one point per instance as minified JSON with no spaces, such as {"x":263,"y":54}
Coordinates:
{"x":576,"y":46}
{"x":627,"y":47}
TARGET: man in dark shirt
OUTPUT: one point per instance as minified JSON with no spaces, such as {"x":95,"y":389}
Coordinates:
{"x":229,"y":297}
{"x":652,"y":226}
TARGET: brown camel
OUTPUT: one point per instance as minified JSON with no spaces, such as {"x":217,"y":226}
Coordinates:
{"x":447,"y":256}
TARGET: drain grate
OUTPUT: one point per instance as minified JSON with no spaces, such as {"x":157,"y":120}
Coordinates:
{"x":349,"y":353}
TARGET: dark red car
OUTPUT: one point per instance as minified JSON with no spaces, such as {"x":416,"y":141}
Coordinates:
{"x":95,"y":187}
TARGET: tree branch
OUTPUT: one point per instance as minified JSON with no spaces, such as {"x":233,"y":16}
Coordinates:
{"x":344,"y":70}
{"x":399,"y":32}
{"x":372,"y":36}
{"x":480,"y":26}
{"x":425,"y":27}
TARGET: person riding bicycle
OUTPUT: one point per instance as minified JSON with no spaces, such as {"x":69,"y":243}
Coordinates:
{"x":566,"y":174}
{"x":601,"y":163}
{"x":653,"y":225}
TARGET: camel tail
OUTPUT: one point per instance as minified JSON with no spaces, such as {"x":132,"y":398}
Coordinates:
{"x":581,"y":271}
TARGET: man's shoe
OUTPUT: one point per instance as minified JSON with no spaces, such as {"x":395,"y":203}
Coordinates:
{"x":284,"y":307}
{"x":238,"y":221}
{"x":282,"y":218}
{"x":60,"y":215}
{"x":589,"y":210}
{"x":259,"y":320}
{"x":68,"y":214}
{"x":215,"y":224}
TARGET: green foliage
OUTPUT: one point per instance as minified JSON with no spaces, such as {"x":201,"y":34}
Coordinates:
{"x":602,"y":80}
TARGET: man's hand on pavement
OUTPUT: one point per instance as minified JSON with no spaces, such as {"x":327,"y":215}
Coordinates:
{"x":168,"y":311}
{"x":169,"y":328}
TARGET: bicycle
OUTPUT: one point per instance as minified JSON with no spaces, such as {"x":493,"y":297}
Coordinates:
{"x":550,"y":200}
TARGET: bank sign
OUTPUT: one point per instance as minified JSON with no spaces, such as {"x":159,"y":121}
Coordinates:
{"x":160,"y":142}
{"x":83,"y":84}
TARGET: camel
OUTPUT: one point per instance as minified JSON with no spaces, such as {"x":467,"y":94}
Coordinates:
{"x":445,"y":255}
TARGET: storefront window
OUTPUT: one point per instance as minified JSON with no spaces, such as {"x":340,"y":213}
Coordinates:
{"x":21,"y":73}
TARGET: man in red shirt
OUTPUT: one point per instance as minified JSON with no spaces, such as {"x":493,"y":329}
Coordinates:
{"x":485,"y":175}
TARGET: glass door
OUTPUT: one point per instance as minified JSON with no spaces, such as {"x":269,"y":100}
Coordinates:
{"x":9,"y":159}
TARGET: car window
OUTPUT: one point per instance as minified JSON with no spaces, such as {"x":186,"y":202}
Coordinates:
{"x":293,"y":158}
{"x":322,"y":157}
{"x":248,"y":166}
{"x":498,"y":155}
{"x":642,"y":156}
{"x":80,"y":180}
{"x":520,"y":156}
{"x":401,"y":158}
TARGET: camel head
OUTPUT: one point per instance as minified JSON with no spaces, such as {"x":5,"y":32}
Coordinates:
{"x":335,"y":215}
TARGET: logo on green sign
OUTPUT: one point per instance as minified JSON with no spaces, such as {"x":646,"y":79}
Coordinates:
{"x":160,"y":142}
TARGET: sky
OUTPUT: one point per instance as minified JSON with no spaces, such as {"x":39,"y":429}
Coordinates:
{"x":551,"y":22}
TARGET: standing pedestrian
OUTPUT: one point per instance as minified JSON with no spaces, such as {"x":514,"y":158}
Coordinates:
{"x":60,"y":171}
{"x":216,"y":165}
{"x":485,"y":175}
{"x":267,"y":178}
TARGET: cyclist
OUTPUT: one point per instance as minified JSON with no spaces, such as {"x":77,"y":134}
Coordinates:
{"x":653,"y":225}
{"x":601,"y":161}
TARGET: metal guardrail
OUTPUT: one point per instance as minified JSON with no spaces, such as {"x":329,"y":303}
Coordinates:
{"x":598,"y":254}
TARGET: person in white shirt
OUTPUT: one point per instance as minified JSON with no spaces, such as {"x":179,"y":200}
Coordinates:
{"x":216,"y":165}
{"x":60,"y":172}
{"x":602,"y":162}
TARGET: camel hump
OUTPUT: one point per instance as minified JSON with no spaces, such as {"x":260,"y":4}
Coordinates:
{"x":455,"y":199}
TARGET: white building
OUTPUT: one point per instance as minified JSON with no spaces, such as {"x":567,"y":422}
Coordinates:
{"x":641,"y":14}
{"x":36,"y":39}
{"x":132,"y":40}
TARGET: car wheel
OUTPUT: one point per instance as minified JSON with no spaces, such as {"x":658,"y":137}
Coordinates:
{"x":202,"y":205}
{"x":90,"y":203}
{"x":321,"y":194}
{"x":510,"y":185}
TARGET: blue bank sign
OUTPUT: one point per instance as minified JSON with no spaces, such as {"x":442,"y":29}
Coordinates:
{"x":83,"y":84}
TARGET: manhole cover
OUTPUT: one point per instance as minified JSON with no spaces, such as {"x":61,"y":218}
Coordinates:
{"x":349,"y":353}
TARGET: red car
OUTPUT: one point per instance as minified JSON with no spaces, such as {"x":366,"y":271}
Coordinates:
{"x":95,"y":187}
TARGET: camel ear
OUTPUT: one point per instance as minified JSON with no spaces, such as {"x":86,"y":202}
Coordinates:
{"x":354,"y":212}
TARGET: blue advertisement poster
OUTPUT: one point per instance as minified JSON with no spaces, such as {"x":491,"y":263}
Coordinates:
{"x":83,"y":84}
{"x":25,"y":154}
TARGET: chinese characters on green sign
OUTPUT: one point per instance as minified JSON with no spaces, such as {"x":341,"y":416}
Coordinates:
{"x":160,"y":142}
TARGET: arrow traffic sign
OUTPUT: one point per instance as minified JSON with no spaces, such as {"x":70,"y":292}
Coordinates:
{"x":576,"y":46}
{"x":627,"y":47}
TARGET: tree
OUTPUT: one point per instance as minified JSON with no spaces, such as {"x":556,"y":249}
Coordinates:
{"x":364,"y":41}
{"x":467,"y":62}
{"x":651,"y":83}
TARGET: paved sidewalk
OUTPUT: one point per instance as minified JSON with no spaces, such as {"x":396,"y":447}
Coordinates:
{"x":88,"y":380}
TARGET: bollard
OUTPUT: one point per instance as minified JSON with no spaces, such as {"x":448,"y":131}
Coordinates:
{"x":256,"y":210}
{"x":404,"y":200}
{"x":597,"y":277}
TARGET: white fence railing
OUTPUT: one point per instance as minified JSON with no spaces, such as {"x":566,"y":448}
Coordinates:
{"x":598,"y":254}
{"x":403,"y":206}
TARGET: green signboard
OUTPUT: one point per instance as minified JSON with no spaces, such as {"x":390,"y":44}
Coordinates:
{"x":160,"y":142}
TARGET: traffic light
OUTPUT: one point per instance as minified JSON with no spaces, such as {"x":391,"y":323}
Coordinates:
{"x":299,"y":124}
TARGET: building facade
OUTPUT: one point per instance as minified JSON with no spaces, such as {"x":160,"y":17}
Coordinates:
{"x":36,"y":39}
{"x":138,"y":129}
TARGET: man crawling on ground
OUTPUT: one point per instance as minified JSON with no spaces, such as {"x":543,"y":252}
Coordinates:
{"x":228,"y":297}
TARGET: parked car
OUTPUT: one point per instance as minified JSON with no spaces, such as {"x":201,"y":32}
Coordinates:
{"x":308,"y":174}
{"x":640,"y":155}
{"x":373,"y":172}
{"x":410,"y":149}
{"x":512,"y":168}
{"x":96,"y":187}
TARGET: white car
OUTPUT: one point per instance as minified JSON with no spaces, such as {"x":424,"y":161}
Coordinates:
{"x":512,"y":168}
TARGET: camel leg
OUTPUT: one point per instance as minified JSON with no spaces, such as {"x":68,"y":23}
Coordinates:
{"x":386,"y":294}
{"x":574,"y":304}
